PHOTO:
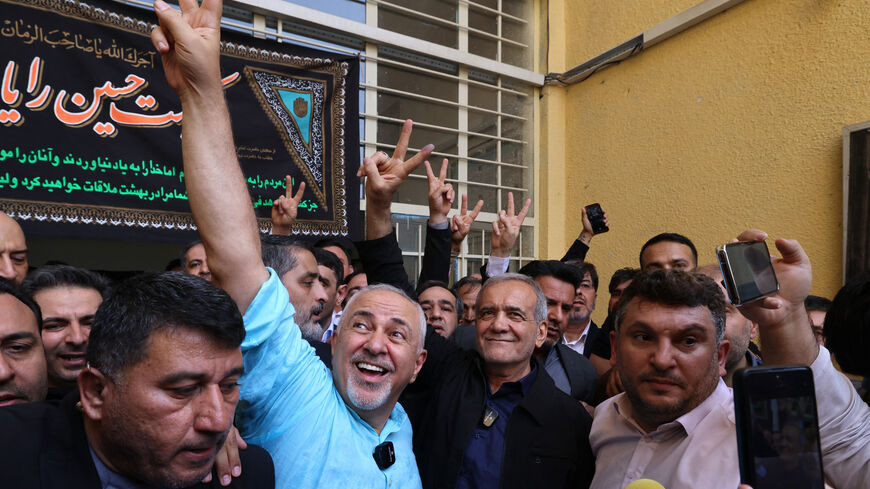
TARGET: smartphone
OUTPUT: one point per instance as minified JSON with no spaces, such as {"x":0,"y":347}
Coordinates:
{"x":596,"y":218}
{"x":777,"y":428}
{"x":747,"y":271}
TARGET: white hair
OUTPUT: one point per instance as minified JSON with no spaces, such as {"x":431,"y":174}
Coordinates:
{"x":421,"y":316}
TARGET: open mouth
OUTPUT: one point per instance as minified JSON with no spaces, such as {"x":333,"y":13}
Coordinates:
{"x":72,"y":360}
{"x":371,"y":372}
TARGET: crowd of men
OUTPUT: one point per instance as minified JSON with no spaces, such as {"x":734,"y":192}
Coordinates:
{"x":270,"y":362}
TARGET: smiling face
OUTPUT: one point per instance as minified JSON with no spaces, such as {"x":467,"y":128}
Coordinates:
{"x":377,"y":353}
{"x":560,"y":300}
{"x":163,"y":419}
{"x":507,"y":333}
{"x":667,"y":359}
{"x":439,"y":305}
{"x":67,"y":314}
{"x":22,"y":361}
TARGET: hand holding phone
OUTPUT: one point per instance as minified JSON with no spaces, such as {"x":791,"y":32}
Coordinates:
{"x":747,"y":270}
{"x":595,"y":214}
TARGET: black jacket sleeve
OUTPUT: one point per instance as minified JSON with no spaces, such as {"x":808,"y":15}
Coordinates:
{"x":436,"y":256}
{"x":382,"y":261}
{"x":577,"y":251}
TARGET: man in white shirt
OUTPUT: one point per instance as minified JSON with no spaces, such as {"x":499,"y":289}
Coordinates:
{"x":580,"y":325}
{"x":675,"y":421}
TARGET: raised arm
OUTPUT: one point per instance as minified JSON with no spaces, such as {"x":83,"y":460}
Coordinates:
{"x":189,"y":45}
{"x":580,"y":247}
{"x":505,"y":232}
{"x":436,"y":255}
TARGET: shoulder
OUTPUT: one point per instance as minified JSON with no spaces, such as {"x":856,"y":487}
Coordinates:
{"x":258,"y":471}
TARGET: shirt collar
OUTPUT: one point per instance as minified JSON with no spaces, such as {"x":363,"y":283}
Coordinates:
{"x":525,"y":383}
{"x":111,"y":479}
{"x":582,"y":336}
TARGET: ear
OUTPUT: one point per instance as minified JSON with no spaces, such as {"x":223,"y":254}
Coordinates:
{"x":541,"y":335}
{"x":340,"y":294}
{"x":613,"y":348}
{"x":421,"y":358}
{"x":753,"y":331}
{"x":724,"y":348}
{"x":95,"y":388}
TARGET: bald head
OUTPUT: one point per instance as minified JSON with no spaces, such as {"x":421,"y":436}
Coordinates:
{"x":13,"y":250}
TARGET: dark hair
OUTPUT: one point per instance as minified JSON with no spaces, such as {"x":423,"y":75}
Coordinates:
{"x":584,"y":267}
{"x":172,"y":265}
{"x":51,"y":276}
{"x":620,"y":276}
{"x":7,"y":287}
{"x":330,"y":261}
{"x":279,"y":252}
{"x":553,"y":268}
{"x":816,"y":303}
{"x":345,"y":244}
{"x":346,"y":280}
{"x":438,"y":283}
{"x":847,"y":326}
{"x":141,"y":305}
{"x":467,"y":280}
{"x":182,"y":258}
{"x":672,"y":237}
{"x":675,"y":288}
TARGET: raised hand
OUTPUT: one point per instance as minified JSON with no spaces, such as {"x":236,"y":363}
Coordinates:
{"x":385,"y":174}
{"x":189,"y":45}
{"x":286,"y":207}
{"x":506,"y":229}
{"x":441,"y":193}
{"x":588,"y":232}
{"x":461,"y":223}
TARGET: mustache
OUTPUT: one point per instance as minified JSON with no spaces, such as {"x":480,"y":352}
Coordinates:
{"x":382,"y":361}
{"x":676,"y":379}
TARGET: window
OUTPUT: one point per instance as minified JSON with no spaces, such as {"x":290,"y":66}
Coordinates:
{"x":463,"y":75}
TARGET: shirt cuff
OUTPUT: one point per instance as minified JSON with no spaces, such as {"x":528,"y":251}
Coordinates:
{"x":497,"y":265}
{"x":439,"y":225}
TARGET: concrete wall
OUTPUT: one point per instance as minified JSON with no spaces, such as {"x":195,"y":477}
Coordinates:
{"x":735,"y":123}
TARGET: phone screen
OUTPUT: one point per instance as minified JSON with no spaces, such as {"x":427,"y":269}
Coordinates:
{"x":747,"y":270}
{"x":779,"y":433}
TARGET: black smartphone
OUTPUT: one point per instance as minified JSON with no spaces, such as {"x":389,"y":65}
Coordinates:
{"x":777,"y":428}
{"x":596,"y":218}
{"x":747,"y":271}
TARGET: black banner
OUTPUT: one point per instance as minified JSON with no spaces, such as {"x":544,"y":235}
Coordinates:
{"x":90,"y":141}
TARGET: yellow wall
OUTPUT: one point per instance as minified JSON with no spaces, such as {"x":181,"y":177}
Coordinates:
{"x":732,"y":124}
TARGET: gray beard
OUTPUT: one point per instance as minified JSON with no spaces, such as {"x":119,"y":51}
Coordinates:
{"x":311,"y":330}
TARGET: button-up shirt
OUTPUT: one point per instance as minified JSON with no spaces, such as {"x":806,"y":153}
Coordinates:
{"x":699,"y":449}
{"x":289,"y":405}
{"x":580,"y":343}
{"x":481,"y":463}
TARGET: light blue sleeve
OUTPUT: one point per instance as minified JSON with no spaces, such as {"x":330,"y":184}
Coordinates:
{"x":285,"y":382}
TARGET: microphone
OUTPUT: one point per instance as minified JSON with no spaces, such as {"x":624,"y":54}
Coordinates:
{"x":644,"y":484}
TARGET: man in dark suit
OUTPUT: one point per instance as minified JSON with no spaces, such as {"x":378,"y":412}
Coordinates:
{"x":581,"y":331}
{"x":572,"y":373}
{"x":154,"y":404}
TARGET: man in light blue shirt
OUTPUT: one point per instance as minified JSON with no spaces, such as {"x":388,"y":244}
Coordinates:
{"x":324,"y":430}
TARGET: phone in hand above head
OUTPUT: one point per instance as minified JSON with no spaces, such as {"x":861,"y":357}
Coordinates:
{"x":596,"y":218}
{"x":747,"y":270}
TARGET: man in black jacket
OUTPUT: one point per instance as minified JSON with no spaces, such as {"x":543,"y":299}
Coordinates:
{"x":490,"y":419}
{"x":155,"y":402}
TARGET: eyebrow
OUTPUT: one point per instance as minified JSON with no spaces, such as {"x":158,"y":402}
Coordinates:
{"x":21,"y":335}
{"x":198,"y":376}
{"x":311,"y":275}
{"x":86,"y":316}
{"x":369,"y":315}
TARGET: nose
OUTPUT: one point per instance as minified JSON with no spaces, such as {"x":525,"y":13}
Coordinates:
{"x":556,"y":315}
{"x":663,"y":356}
{"x":319,"y":292}
{"x":377,"y":342}
{"x":7,"y":270}
{"x":203,"y":270}
{"x":468,"y":315}
{"x":213,"y":411}
{"x":6,"y":370}
{"x":78,"y":334}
